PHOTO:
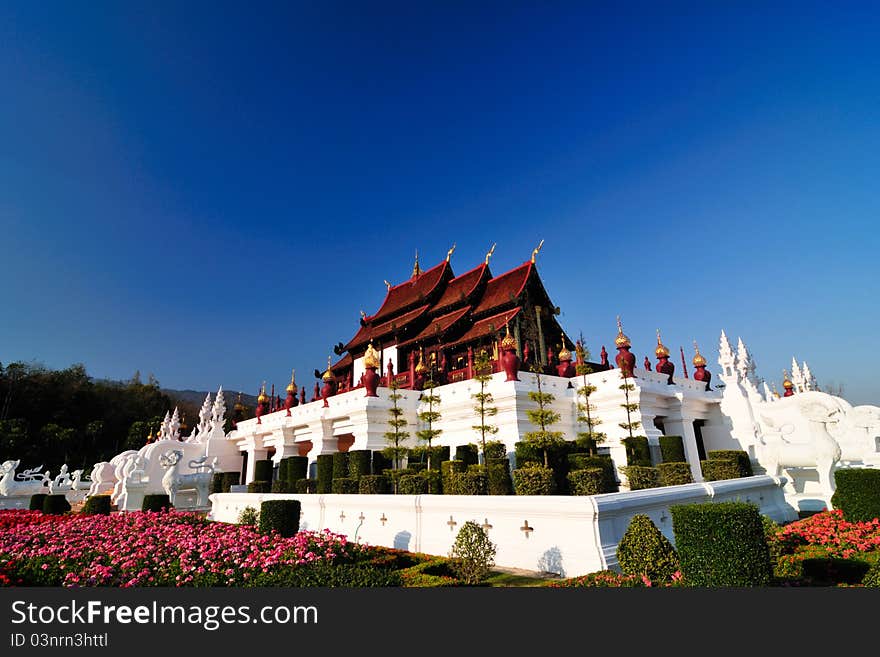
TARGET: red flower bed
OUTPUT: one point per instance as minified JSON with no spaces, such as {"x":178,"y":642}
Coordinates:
{"x":838,"y":537}
{"x":152,"y":549}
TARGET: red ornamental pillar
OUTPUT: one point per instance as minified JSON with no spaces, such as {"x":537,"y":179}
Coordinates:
{"x":288,"y":401}
{"x":302,"y":395}
{"x":412,"y":370}
{"x":390,"y":375}
{"x":470,"y":365}
{"x":316,"y":393}
{"x":603,"y":355}
{"x":647,"y":364}
{"x":526,"y":354}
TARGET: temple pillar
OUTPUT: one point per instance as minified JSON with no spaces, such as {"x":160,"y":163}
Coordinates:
{"x":542,"y":347}
{"x":253,"y":455}
{"x":323,"y":442}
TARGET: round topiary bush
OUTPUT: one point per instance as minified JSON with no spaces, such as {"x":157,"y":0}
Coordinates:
{"x":56,"y":505}
{"x":97,"y":505}
{"x":281,"y":516}
{"x":36,"y":502}
{"x":589,"y":481}
{"x":534,"y":480}
{"x":156,"y":502}
{"x":644,"y":550}
{"x":473,"y":554}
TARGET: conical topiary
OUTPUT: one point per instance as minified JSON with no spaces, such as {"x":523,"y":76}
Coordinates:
{"x":644,"y":550}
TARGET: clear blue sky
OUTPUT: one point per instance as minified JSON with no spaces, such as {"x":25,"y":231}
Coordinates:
{"x":212,"y":192}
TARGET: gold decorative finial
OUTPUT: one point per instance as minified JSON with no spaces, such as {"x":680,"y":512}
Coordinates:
{"x":661,"y":351}
{"x":387,"y":284}
{"x":489,"y":254}
{"x":421,"y":368}
{"x":699,"y":360}
{"x":536,"y":251}
{"x":786,"y":382}
{"x":371,"y":357}
{"x":262,"y":398}
{"x":508,"y":343}
{"x":621,"y":340}
{"x":416,"y":269}
{"x":291,"y":387}
{"x":450,"y":252}
{"x":328,"y":375}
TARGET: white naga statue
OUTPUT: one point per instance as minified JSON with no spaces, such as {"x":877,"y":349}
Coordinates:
{"x":28,"y":482}
{"x":200,"y":480}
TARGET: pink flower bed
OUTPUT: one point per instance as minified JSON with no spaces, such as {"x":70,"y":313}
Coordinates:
{"x":150,"y":549}
{"x":829,"y":530}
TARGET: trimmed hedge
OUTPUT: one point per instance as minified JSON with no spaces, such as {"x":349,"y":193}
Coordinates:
{"x":472,"y":482}
{"x":282,"y":470}
{"x":857,"y":494}
{"x":373,"y":485}
{"x":297,"y":468}
{"x":672,"y":449}
{"x":467,"y":453}
{"x":433,"y":481}
{"x":644,"y":550}
{"x":56,"y":505}
{"x":557,"y":457}
{"x":675,"y":474}
{"x":741,"y":458}
{"x":418,"y":466}
{"x":638,"y":452}
{"x":156,"y":502}
{"x":306,"y":486}
{"x":359,"y":463}
{"x":604,"y":462}
{"x":263,"y":470}
{"x":221,"y":482}
{"x":721,"y":544}
{"x":344,"y":486}
{"x":439,"y":453}
{"x":641,"y":477}
{"x":260,"y":487}
{"x":280,"y":515}
{"x":498,"y":471}
{"x":534,"y":480}
{"x":282,"y":486}
{"x":718,"y":469}
{"x":36,"y":501}
{"x":381,"y":463}
{"x":325,"y":472}
{"x":447,"y":471}
{"x":340,"y":465}
{"x":589,"y":481}
{"x":96,"y":505}
{"x":495,"y":449}
{"x":412,"y":484}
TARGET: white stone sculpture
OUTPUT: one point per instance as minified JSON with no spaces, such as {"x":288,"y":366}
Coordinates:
{"x":822,"y":452}
{"x":200,"y":480}
{"x":174,"y":426}
{"x":104,"y":474}
{"x":28,"y":482}
{"x":133,"y":484}
{"x":61,"y":482}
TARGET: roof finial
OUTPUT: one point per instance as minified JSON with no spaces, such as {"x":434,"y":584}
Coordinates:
{"x":450,"y":252}
{"x":489,"y":254}
{"x":536,"y":251}
{"x":416,"y":269}
{"x":387,"y":284}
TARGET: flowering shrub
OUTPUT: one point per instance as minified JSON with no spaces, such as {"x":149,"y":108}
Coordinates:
{"x":156,"y":549}
{"x":613,"y":579}
{"x":829,"y":529}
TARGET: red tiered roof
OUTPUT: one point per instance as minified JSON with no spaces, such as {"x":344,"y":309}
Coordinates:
{"x":367,"y":333}
{"x":460,"y":289}
{"x":439,"y":326}
{"x":410,"y":292}
{"x":486,"y":326}
{"x":504,"y":289}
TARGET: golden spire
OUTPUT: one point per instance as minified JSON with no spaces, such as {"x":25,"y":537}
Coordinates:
{"x":621,"y":340}
{"x":508,"y":343}
{"x":699,"y":361}
{"x":536,"y":251}
{"x":291,"y":387}
{"x":262,"y":398}
{"x":371,"y":357}
{"x":661,"y":351}
{"x":565,"y":354}
{"x":786,"y":382}
{"x":328,"y":375}
{"x":416,"y":269}
{"x":489,"y":254}
{"x":450,"y":252}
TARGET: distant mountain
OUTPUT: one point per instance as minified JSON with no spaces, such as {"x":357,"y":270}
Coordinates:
{"x":195,"y":398}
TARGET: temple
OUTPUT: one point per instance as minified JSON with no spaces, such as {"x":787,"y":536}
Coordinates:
{"x":434,"y":325}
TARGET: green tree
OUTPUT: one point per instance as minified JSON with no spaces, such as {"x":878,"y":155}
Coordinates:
{"x":591,"y":438}
{"x":484,"y":408}
{"x":630,"y":408}
{"x":58,"y":439}
{"x":543,"y":417}
{"x":430,"y":416}
{"x":396,"y":436}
